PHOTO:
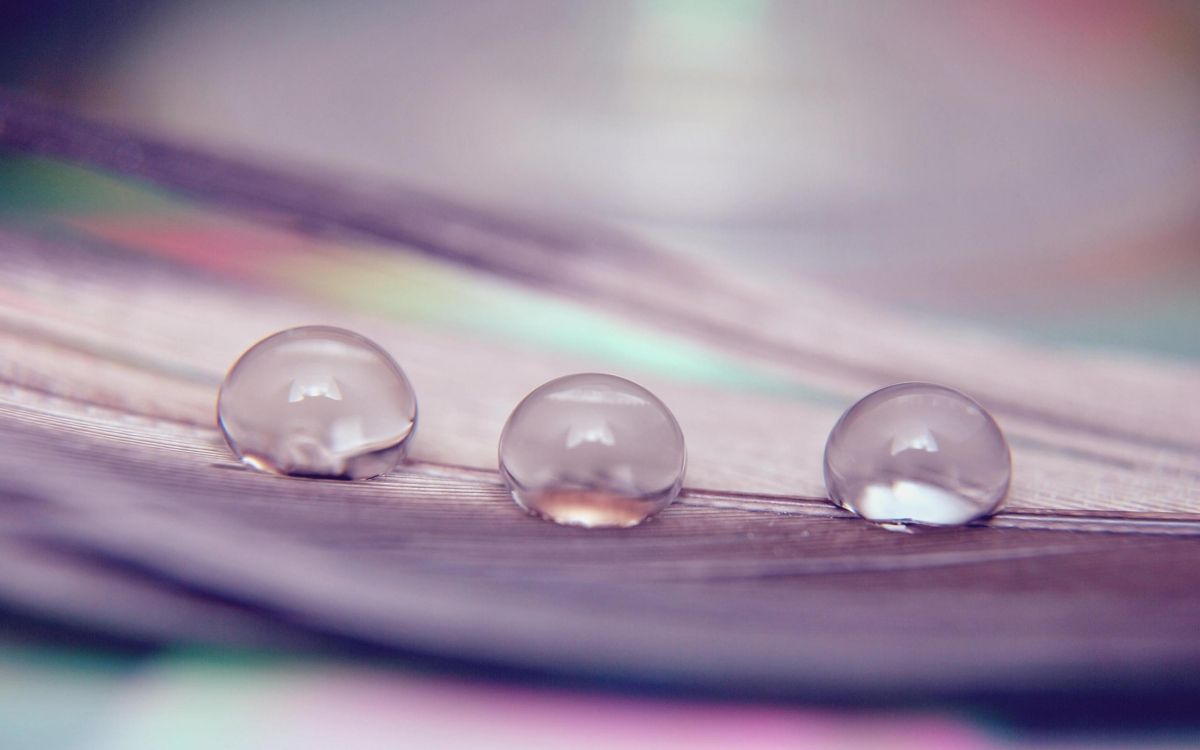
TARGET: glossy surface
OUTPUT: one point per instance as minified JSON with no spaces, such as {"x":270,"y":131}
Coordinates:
{"x":592,"y":450}
{"x":920,"y":453}
{"x":318,"y":402}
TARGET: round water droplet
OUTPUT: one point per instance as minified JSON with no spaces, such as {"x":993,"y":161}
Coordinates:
{"x":920,"y":453}
{"x":592,"y":450}
{"x":317,"y":401}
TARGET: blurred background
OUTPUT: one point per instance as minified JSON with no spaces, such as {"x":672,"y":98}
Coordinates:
{"x":1029,"y":167}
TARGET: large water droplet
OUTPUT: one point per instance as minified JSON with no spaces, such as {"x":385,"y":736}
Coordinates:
{"x":917,"y":452}
{"x":592,"y":450}
{"x":317,"y":401}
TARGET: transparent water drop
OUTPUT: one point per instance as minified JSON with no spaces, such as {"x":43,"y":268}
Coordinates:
{"x":919,"y":453}
{"x":592,"y":450}
{"x":317,"y":401}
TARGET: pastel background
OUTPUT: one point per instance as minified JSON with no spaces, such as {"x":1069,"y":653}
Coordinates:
{"x":1030,"y":168}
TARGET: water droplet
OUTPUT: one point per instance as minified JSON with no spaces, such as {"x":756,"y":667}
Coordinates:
{"x":317,"y":401}
{"x":592,"y":450}
{"x":920,"y":453}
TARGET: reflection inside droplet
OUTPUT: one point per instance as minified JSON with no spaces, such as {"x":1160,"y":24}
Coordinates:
{"x":914,"y":501}
{"x":592,"y":450}
{"x":321,"y":387}
{"x":317,"y":402}
{"x":590,"y":508}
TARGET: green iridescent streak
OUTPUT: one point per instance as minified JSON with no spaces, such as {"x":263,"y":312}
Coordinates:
{"x":34,"y":187}
{"x":412,"y":289}
{"x":89,"y":694}
{"x":55,"y":697}
{"x":400,"y":285}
